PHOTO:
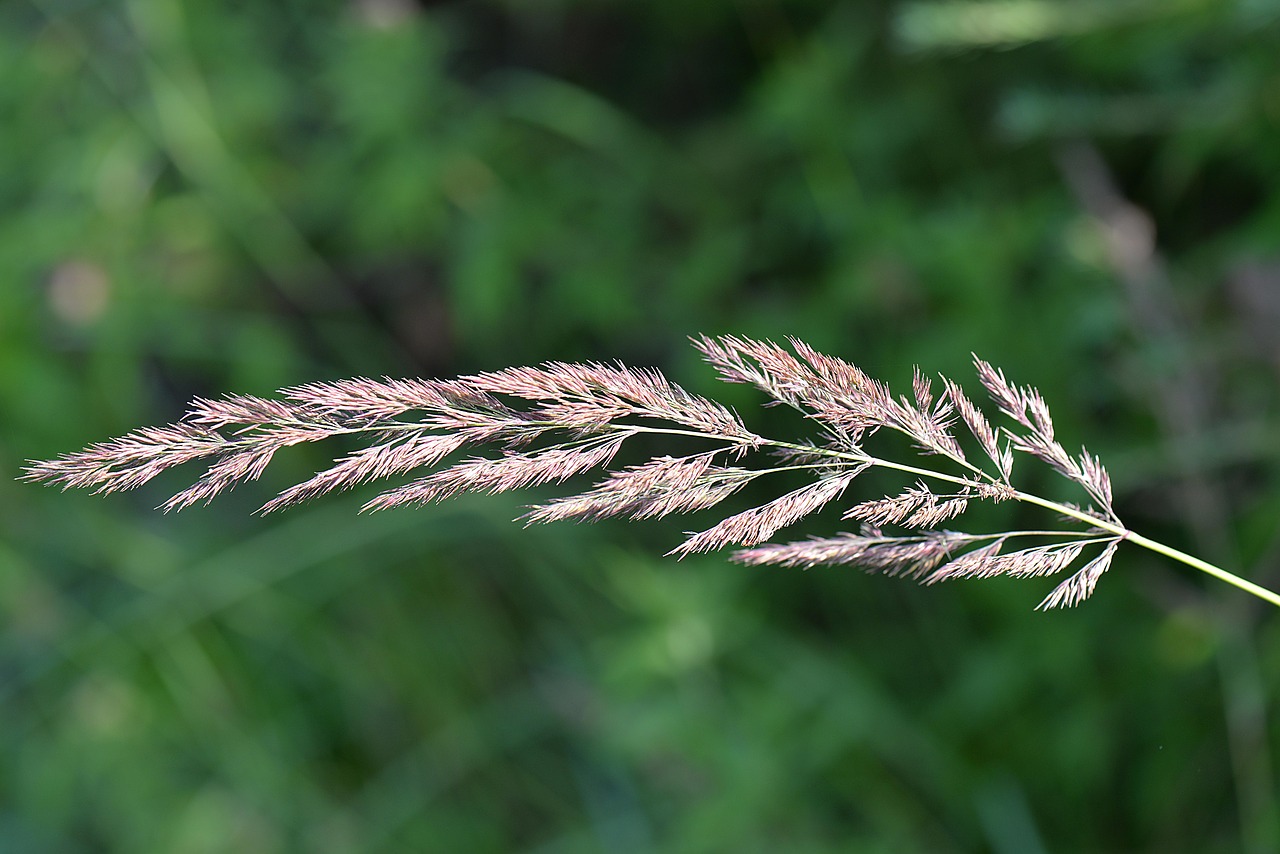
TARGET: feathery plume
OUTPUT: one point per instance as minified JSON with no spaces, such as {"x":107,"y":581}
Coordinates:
{"x":552,"y":422}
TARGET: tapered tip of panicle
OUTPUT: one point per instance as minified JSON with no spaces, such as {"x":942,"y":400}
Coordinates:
{"x":65,"y":471}
{"x":33,"y":471}
{"x":702,"y":342}
{"x":272,"y":506}
{"x":679,"y":552}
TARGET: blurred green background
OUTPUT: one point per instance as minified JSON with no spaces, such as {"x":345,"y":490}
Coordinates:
{"x":198,"y":198}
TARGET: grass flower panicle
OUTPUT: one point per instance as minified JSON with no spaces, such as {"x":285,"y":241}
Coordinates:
{"x":559,"y":420}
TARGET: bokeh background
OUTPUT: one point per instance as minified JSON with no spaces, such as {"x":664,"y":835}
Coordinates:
{"x":206,"y":197}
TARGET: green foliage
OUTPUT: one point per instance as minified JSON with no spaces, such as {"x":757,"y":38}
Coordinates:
{"x":201,"y":198}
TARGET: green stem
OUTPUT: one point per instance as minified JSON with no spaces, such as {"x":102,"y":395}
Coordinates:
{"x":1204,"y":566}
